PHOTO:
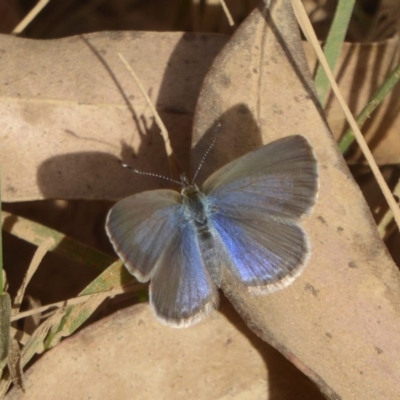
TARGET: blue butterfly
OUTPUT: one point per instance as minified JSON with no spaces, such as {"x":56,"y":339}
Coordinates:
{"x":243,"y":219}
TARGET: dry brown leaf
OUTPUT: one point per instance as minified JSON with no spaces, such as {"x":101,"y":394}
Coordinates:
{"x":69,"y":109}
{"x":338,"y":321}
{"x":130,"y":355}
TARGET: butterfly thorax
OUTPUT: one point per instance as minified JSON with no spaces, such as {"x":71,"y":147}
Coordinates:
{"x":195,"y":204}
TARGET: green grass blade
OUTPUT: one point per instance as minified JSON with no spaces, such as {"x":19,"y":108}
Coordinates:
{"x":1,"y":254}
{"x":376,"y":99}
{"x":333,"y":45}
{"x":35,"y":233}
{"x":5,"y":321}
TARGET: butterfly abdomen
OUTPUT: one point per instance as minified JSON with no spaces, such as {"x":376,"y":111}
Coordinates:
{"x":198,"y":210}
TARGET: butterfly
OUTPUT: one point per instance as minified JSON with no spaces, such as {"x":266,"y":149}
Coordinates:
{"x":244,"y":220}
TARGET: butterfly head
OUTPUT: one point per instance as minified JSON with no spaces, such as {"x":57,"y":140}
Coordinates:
{"x":189,"y":189}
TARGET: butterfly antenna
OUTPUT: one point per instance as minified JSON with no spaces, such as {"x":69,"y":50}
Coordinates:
{"x":217,"y":129}
{"x":136,"y":171}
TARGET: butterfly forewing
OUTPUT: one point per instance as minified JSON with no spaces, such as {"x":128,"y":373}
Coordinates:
{"x":279,"y":179}
{"x":140,"y":227}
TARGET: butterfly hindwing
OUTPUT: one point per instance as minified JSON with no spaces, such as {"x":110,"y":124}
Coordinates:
{"x":181,"y":290}
{"x":265,"y":255}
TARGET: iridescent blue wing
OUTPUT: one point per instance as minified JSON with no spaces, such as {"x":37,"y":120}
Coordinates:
{"x":264,"y":254}
{"x":280,"y":179}
{"x":181,"y":290}
{"x":139,"y":227}
{"x":155,"y":240}
{"x":255,"y":202}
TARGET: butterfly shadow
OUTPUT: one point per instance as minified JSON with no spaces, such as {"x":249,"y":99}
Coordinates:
{"x":234,"y":134}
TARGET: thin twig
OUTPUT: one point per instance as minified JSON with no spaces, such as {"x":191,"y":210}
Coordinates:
{"x":30,"y":17}
{"x":164,"y":132}
{"x":227,"y":13}
{"x":36,"y":260}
